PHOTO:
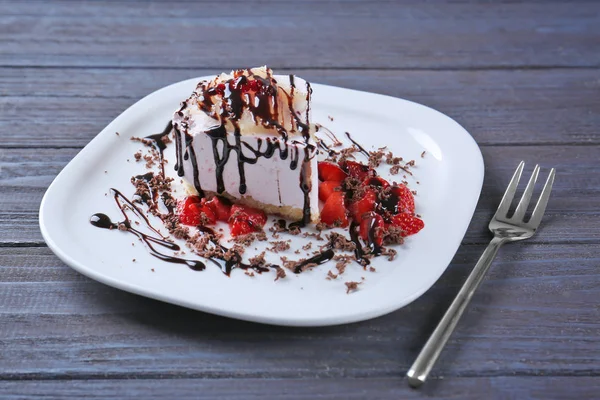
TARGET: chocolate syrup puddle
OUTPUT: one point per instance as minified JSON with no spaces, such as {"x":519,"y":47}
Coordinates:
{"x":362,"y":150}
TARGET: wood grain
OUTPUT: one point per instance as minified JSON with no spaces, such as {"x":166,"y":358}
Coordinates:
{"x":59,"y":107}
{"x":300,"y":389}
{"x":572,"y":215}
{"x":536,"y":313}
{"x":301,"y":34}
{"x":522,"y":76}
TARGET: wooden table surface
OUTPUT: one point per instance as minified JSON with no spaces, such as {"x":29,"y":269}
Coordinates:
{"x":522,"y":77}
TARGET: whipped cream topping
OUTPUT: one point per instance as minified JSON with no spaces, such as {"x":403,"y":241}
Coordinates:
{"x":254,"y":101}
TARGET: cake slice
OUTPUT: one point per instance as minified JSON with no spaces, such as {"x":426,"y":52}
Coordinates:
{"x":248,"y":136}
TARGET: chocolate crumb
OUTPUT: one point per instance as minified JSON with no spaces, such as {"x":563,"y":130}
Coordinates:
{"x":423,"y":154}
{"x":294,"y":230}
{"x":351,"y":286}
{"x":258,"y":260}
{"x":307,"y":246}
{"x":372,"y":269}
{"x":138,"y":156}
{"x":280,"y":272}
{"x":390,"y":253}
{"x":278,"y":246}
{"x":393,"y":235}
{"x":331,"y":275}
{"x":339,"y":242}
{"x":247,"y":239}
{"x":152,"y":269}
{"x":376,"y":157}
{"x":342,"y":261}
{"x":117,"y":133}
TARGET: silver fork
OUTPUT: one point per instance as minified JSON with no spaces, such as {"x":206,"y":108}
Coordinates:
{"x":505,"y":229}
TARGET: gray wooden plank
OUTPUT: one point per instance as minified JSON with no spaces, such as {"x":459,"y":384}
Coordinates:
{"x":536,"y":314}
{"x":59,"y":107}
{"x":292,"y":389}
{"x":573,"y":213}
{"x":300,"y":34}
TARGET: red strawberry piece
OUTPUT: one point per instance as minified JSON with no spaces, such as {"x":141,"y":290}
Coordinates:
{"x":408,"y":223}
{"x":372,"y":228}
{"x":327,"y":188}
{"x":255,"y":85}
{"x":245,"y":219}
{"x":194,"y":211}
{"x":406,"y":200}
{"x":330,"y":172}
{"x":334,"y":211}
{"x":363,"y":205}
{"x":220,"y":206}
{"x":241,"y":227}
{"x":187,"y":215}
{"x":357,"y":170}
{"x":376,"y":181}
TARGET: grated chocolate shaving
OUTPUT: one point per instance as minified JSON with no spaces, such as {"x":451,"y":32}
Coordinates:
{"x":351,"y":286}
{"x":279,"y":246}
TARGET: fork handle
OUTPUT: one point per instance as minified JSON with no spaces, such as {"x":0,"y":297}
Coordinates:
{"x":418,"y":372}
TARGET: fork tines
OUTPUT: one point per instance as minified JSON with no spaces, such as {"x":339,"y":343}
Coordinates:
{"x":519,"y":214}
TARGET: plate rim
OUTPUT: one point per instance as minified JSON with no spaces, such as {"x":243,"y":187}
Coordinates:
{"x":317,"y":321}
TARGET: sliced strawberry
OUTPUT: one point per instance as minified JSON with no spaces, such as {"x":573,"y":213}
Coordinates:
{"x":372,"y":228}
{"x":241,"y":227}
{"x":254,"y":215}
{"x":363,"y":205}
{"x":245,"y":219}
{"x":327,"y":188}
{"x":408,"y":223}
{"x":357,"y":170}
{"x":220,"y":206}
{"x":330,"y":172}
{"x":376,"y":181}
{"x":334,"y":211}
{"x":406,"y":200}
{"x":194,"y":211}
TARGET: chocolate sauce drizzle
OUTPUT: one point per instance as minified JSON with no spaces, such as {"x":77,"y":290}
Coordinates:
{"x":103,"y":221}
{"x":362,"y":149}
{"x":319,"y":259}
{"x":358,"y":251}
{"x":264,"y":108}
{"x":159,"y":143}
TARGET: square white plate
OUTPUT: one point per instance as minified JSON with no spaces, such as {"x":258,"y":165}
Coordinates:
{"x":450,"y":177}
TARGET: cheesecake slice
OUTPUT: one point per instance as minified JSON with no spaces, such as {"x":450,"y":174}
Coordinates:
{"x":248,"y":136}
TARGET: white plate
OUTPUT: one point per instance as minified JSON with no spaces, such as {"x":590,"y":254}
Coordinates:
{"x":450,"y":176}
